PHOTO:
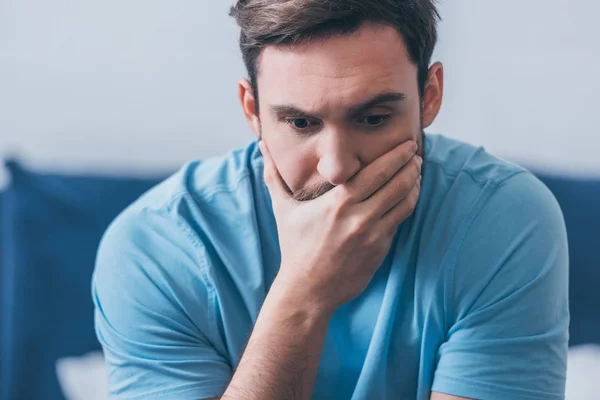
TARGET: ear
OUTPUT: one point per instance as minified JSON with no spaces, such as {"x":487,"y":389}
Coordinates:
{"x":246,"y":95}
{"x":434,"y":91}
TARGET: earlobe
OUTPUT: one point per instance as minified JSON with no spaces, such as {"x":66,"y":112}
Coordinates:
{"x":248,"y":103}
{"x":433,"y":95}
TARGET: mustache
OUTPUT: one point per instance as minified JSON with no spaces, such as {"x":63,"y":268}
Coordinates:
{"x":312,"y":192}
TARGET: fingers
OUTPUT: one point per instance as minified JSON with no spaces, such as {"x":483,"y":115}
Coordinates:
{"x":395,"y":190}
{"x":380,"y":171}
{"x":401,"y":211}
{"x":273,"y":180}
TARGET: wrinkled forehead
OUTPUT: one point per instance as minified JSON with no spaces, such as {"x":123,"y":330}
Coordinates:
{"x":337,"y":71}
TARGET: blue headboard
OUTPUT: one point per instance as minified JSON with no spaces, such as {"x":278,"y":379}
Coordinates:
{"x":580,"y":202}
{"x":50,"y":226}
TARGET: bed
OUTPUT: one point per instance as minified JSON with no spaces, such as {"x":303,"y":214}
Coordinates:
{"x":50,"y":226}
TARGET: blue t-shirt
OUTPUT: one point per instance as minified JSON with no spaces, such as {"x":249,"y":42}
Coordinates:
{"x":470,"y":301}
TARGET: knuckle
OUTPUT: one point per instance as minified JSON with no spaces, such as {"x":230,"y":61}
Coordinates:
{"x":343,"y":196}
{"x":371,"y":241}
{"x":337,"y":208}
{"x":403,"y":184}
{"x":381,"y":177}
{"x":356,"y":226}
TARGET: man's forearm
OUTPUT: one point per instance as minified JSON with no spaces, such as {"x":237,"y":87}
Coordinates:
{"x":283,"y":353}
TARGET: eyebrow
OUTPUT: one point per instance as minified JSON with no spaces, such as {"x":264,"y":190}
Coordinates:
{"x":282,"y":111}
{"x":379,"y":99}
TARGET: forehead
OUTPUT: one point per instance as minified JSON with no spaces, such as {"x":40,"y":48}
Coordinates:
{"x":338,"y":70}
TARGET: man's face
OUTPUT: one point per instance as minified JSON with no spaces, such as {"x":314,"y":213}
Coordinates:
{"x":331,"y":107}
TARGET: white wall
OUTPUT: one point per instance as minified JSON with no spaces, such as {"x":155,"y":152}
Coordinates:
{"x":523,"y":79}
{"x":111,"y":84}
{"x":145,"y":85}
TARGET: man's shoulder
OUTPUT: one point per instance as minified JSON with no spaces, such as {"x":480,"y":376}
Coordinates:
{"x":476,"y":177}
{"x":203,"y":197}
{"x":471,"y":193}
{"x":506,"y":225}
{"x":177,"y":228}
{"x":453,"y":159}
{"x":202,"y":179}
{"x":460,"y":179}
{"x":500,"y":230}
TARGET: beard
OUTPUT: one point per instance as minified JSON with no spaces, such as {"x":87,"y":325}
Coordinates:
{"x":317,"y":190}
{"x":311,"y":192}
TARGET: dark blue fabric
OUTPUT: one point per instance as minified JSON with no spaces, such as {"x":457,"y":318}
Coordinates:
{"x":51,"y":226}
{"x":580,"y":203}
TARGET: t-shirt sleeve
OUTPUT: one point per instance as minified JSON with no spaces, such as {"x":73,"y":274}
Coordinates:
{"x":154,"y":313}
{"x":509,"y":299}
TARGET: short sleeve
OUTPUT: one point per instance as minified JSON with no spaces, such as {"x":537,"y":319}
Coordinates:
{"x":509,"y":296}
{"x":154,"y":313}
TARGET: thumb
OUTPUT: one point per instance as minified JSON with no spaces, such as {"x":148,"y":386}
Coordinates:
{"x":273,"y":180}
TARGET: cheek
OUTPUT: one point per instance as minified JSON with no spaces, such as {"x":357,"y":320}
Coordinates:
{"x":406,"y":127}
{"x":295,"y":159}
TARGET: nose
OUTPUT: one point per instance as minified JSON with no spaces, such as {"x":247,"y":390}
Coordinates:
{"x":338,"y":159}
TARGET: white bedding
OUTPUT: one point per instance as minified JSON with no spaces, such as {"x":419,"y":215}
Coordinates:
{"x":583,"y":373}
{"x":84,"y":378}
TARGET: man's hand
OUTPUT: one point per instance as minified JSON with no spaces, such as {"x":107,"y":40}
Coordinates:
{"x":332,"y":246}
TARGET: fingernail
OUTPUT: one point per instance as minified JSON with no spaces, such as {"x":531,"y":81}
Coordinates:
{"x":419,"y":160}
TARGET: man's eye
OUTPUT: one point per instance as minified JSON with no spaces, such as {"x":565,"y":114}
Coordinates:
{"x":374,"y":120}
{"x":298,"y":123}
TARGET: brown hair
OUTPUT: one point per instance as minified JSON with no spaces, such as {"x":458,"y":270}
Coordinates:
{"x":272,"y":22}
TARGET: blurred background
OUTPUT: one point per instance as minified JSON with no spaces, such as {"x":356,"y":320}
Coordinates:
{"x":99,"y":100}
{"x":146,"y":85}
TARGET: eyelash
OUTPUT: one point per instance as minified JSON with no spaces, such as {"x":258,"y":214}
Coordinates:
{"x":290,"y":122}
{"x":384,"y":117}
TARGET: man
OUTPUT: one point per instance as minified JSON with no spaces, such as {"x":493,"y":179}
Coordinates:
{"x":350,"y":256}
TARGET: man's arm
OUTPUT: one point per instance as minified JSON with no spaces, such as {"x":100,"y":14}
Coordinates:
{"x":282,"y":356}
{"x":330,"y":249}
{"x":283,"y":353}
{"x":154,"y":322}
